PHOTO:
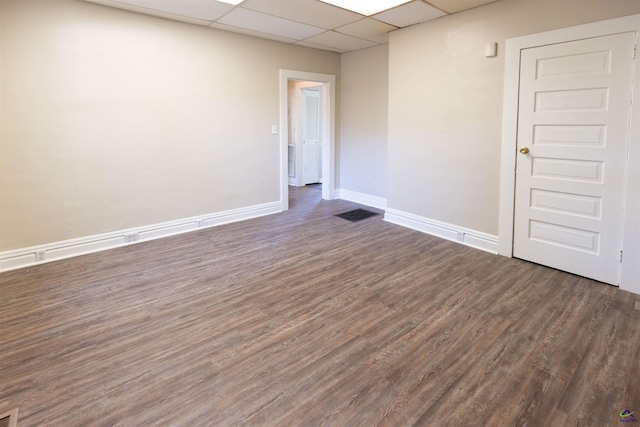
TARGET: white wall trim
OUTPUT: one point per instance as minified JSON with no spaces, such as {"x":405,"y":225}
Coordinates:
{"x":630,"y":277}
{"x":465,"y":236}
{"x":19,"y":258}
{"x":362,"y":198}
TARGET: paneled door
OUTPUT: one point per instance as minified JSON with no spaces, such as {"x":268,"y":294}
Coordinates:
{"x":311,"y":129}
{"x":573,"y":136}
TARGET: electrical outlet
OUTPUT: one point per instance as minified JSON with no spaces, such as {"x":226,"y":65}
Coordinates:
{"x":41,"y":256}
{"x":201,"y":223}
{"x":460,"y":236}
{"x":131,"y":237}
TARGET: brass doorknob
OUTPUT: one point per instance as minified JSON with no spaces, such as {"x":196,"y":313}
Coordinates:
{"x":524,"y":150}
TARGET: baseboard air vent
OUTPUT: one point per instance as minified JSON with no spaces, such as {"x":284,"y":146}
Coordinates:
{"x":9,"y":419}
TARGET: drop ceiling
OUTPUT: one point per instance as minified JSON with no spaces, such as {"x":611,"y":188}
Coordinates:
{"x":311,"y":23}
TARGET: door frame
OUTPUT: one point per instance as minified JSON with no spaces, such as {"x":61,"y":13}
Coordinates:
{"x":296,"y":116}
{"x":302,"y":127}
{"x":328,"y":101}
{"x":630,"y":269}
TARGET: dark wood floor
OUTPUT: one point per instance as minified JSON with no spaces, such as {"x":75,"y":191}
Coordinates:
{"x":304,"y":318}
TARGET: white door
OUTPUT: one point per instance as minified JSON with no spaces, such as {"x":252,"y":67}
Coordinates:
{"x":311,"y":153}
{"x":573,"y":133}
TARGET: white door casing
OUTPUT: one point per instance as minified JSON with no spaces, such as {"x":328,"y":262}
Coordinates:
{"x":630,"y":274}
{"x":574,"y":109}
{"x":328,"y":102}
{"x":311,"y":136}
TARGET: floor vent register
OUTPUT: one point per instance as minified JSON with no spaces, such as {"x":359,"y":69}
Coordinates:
{"x":9,"y":419}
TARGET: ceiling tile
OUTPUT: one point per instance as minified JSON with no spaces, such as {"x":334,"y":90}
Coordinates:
{"x":369,"y":29}
{"x":311,"y":12}
{"x":223,"y":27}
{"x":453,"y":6}
{"x":303,"y":22}
{"x":317,"y":46}
{"x":340,"y":41}
{"x":201,"y":10}
{"x":268,"y":24}
{"x":409,"y":14}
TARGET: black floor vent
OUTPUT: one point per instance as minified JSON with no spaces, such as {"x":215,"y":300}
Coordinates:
{"x":9,"y":419}
{"x":357,"y":215}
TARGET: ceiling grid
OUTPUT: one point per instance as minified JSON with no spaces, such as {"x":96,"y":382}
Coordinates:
{"x":313,"y":23}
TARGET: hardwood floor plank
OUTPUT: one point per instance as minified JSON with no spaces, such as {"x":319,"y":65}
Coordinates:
{"x":303,"y":318}
{"x":598,"y":387}
{"x":436,"y":370}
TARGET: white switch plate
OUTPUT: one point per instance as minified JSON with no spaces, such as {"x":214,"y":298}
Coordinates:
{"x":491,"y":50}
{"x":274,"y":129}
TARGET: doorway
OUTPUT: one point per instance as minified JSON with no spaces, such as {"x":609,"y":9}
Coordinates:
{"x":325,"y":89}
{"x":311,"y":136}
{"x":569,"y":198}
{"x":305,"y":143}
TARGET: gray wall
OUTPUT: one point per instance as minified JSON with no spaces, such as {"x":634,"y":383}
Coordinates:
{"x":445,"y":105}
{"x":364,"y":112}
{"x":113,"y":120}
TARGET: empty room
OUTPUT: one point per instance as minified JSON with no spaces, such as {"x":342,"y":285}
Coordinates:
{"x":319,"y":212}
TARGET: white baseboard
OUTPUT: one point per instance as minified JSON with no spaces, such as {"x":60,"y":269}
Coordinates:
{"x":14,"y":259}
{"x":465,"y":236}
{"x":361,"y":198}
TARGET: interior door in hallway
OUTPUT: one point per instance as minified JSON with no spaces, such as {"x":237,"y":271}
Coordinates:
{"x":311,"y":142}
{"x":573,"y":134}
